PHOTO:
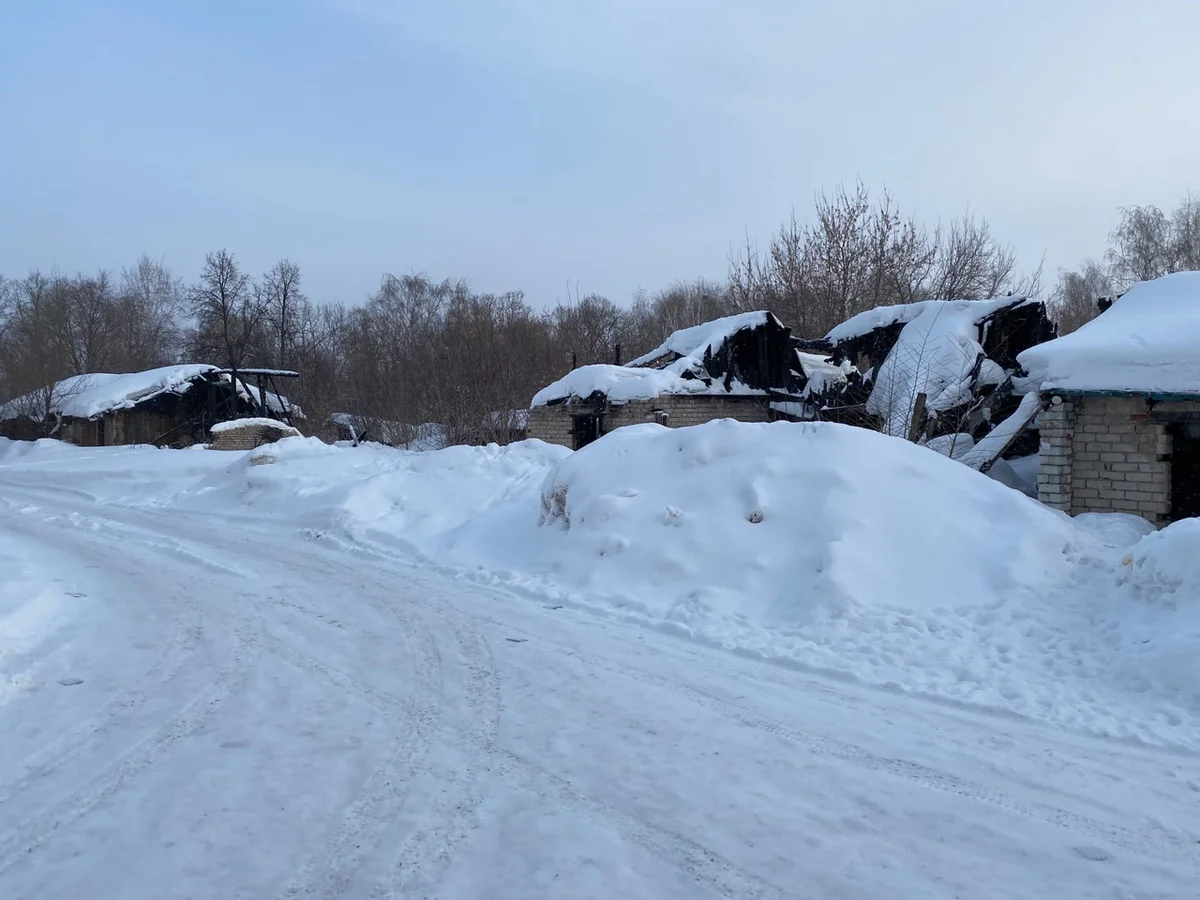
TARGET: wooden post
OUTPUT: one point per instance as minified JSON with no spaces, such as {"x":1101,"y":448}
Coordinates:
{"x":917,"y":425}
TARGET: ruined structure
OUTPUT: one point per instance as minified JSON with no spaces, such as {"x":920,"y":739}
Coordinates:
{"x":172,"y":406}
{"x":746,"y":367}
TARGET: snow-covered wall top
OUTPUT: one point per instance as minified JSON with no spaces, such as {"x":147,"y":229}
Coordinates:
{"x":1147,"y":342}
{"x":882,"y":316}
{"x":86,"y":396}
{"x":253,"y":422}
{"x":633,"y":381}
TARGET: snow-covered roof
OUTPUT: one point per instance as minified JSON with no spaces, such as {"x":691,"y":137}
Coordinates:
{"x":883,"y":316}
{"x":934,"y":355}
{"x":1147,"y":342}
{"x":698,"y":340}
{"x":276,"y":403}
{"x":680,"y":354}
{"x":88,"y":396}
{"x":98,"y":393}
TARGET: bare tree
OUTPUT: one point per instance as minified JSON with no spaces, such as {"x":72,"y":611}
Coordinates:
{"x":228,"y":309}
{"x":150,"y":304}
{"x":1147,"y":243}
{"x":281,"y":292}
{"x":1075,"y":300}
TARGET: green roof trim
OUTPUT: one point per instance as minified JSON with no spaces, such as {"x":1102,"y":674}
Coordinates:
{"x":1161,"y":397}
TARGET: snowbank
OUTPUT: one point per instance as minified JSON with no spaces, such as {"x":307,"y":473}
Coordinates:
{"x":788,"y":525}
{"x":813,"y":545}
{"x":1148,"y":341}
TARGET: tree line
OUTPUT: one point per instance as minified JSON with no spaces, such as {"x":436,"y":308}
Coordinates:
{"x":422,"y":350}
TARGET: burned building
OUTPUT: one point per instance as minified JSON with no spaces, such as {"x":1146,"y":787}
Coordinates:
{"x":746,"y":367}
{"x":1120,"y":429}
{"x":943,"y":373}
{"x":172,"y":406}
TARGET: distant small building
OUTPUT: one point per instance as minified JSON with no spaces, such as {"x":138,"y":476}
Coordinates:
{"x":172,"y":406}
{"x":745,"y":367}
{"x":247,"y":434}
{"x":1121,"y":426}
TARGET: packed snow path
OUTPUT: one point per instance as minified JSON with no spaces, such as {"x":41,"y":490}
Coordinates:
{"x":261,"y":714}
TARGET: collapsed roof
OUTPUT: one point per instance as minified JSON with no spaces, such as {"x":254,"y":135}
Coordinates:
{"x":746,"y":354}
{"x":100,"y":393}
{"x":1147,"y":342}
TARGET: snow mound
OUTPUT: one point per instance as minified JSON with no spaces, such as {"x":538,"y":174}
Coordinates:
{"x":1164,"y":566}
{"x":1148,"y":341}
{"x":788,"y":525}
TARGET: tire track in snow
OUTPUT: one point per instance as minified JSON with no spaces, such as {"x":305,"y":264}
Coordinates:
{"x":176,"y":651}
{"x":26,"y":838}
{"x":386,"y":790}
{"x":428,"y":850}
{"x":1159,"y":844}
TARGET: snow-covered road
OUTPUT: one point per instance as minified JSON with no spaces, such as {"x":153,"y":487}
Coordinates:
{"x":262,"y":714}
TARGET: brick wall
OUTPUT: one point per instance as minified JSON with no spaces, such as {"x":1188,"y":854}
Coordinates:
{"x":553,"y":424}
{"x":1054,"y":455}
{"x":1104,"y":454}
{"x":250,"y":436}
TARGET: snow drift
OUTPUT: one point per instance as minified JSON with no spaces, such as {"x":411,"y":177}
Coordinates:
{"x":814,"y":545}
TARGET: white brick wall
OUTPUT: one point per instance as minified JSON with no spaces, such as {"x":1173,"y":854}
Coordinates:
{"x":553,"y":423}
{"x":1104,"y":454}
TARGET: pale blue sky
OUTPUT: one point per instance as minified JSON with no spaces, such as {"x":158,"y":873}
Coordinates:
{"x":535,"y":143}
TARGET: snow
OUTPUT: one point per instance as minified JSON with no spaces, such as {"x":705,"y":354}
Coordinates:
{"x":730,"y":660}
{"x":822,"y":374}
{"x":1147,"y":342}
{"x":883,"y":316}
{"x":619,"y":384}
{"x":636,"y":381}
{"x":992,"y":444}
{"x":697,"y":341}
{"x":276,"y":403}
{"x":934,"y":355}
{"x":253,"y":422}
{"x":86,"y":396}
